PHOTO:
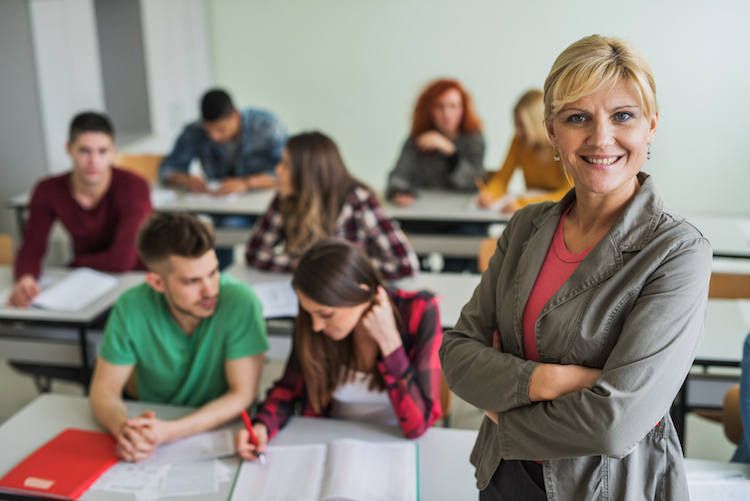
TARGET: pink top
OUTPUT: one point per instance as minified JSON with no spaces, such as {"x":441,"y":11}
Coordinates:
{"x":559,"y":264}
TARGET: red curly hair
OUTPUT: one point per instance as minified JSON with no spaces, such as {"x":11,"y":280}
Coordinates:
{"x":422,"y":120}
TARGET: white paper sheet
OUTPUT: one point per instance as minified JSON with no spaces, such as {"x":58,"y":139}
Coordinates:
{"x":129,"y":478}
{"x":201,"y":447}
{"x":291,"y":473}
{"x":160,"y":197}
{"x":76,"y":290}
{"x":278,"y":299}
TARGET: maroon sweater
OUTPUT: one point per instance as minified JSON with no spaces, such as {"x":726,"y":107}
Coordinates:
{"x":103,"y":237}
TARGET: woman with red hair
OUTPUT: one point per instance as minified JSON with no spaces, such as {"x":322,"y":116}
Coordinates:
{"x":445,"y":148}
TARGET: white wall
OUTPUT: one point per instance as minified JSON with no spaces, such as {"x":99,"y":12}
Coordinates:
{"x":353,"y":69}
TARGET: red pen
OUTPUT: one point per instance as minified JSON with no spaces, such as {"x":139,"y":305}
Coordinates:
{"x":253,"y":438}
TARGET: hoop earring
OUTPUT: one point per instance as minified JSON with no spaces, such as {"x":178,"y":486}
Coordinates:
{"x":557,"y":157}
{"x":648,"y":151}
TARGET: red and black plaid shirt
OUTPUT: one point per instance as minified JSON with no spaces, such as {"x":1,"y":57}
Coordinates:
{"x":361,"y":221}
{"x":411,"y":373}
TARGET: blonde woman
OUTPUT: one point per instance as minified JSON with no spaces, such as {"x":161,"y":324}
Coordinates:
{"x":318,"y":198}
{"x":530,"y":150}
{"x":584,"y":326}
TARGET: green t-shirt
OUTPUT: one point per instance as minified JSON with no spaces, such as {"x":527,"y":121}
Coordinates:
{"x":172,"y":367}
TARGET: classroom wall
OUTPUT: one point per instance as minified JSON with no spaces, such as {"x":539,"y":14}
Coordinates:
{"x":21,"y":138}
{"x":353,"y":69}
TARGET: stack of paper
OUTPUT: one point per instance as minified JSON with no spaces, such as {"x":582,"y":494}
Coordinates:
{"x":76,"y":290}
{"x":278,"y":299}
{"x":184,"y":468}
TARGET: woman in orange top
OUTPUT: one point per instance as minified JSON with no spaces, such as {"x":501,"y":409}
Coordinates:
{"x":531,"y":151}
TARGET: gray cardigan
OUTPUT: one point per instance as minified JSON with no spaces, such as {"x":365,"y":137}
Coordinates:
{"x":435,"y":170}
{"x":635,"y":308}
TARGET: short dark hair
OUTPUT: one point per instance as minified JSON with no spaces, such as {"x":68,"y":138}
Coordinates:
{"x":90,"y":122}
{"x":216,"y":105}
{"x":167,"y":234}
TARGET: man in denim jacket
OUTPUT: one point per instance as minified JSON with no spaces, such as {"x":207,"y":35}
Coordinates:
{"x":238,"y":148}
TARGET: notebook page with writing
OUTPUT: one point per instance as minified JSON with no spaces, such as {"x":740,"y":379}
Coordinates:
{"x":365,"y":471}
{"x":76,"y":290}
{"x":278,"y":299}
{"x":291,"y":473}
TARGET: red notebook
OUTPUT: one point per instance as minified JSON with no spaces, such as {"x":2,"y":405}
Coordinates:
{"x":64,"y":467}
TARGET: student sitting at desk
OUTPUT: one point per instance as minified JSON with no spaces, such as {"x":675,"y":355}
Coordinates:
{"x":360,"y":351}
{"x":240,"y":148}
{"x":99,"y":205}
{"x":445,"y":148}
{"x":188,"y":336}
{"x":531,"y":151}
{"x":318,"y":198}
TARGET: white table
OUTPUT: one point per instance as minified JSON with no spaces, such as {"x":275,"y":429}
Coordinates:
{"x":17,"y":325}
{"x":444,"y":469}
{"x":724,"y":234}
{"x":452,"y":290}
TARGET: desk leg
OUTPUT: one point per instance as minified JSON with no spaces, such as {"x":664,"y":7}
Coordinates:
{"x":20,"y":221}
{"x":86,"y":367}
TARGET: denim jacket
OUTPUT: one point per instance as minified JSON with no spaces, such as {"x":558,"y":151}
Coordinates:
{"x":635,"y":308}
{"x":261,"y":142}
{"x":742,"y":454}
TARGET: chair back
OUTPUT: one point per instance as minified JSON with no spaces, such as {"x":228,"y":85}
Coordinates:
{"x":146,"y":166}
{"x":731,"y":415}
{"x":446,"y":398}
{"x":6,"y":249}
{"x":729,"y":286}
{"x":486,"y":250}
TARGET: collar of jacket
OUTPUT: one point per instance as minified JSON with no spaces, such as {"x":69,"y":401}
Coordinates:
{"x":631,"y":232}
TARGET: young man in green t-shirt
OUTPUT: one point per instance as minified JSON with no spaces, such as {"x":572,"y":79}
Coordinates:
{"x":188,"y":336}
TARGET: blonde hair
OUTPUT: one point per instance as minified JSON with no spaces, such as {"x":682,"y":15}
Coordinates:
{"x":593,"y":63}
{"x":530,"y":111}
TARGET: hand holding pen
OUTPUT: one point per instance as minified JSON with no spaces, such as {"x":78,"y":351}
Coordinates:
{"x":251,"y":442}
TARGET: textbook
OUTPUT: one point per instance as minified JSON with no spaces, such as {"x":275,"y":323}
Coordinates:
{"x":64,"y":467}
{"x":343,"y":470}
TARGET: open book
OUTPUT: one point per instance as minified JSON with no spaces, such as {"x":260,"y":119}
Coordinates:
{"x":343,"y":470}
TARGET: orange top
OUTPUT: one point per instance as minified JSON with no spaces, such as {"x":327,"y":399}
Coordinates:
{"x":539,"y":170}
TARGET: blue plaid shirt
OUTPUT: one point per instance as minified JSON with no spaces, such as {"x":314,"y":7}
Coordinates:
{"x":261,"y":142}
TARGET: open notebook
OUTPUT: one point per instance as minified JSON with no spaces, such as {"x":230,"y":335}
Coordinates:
{"x":76,"y":290}
{"x":343,"y":470}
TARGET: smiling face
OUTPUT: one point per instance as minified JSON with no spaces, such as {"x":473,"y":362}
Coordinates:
{"x":448,"y":112}
{"x":603,"y":139}
{"x":93,"y":154}
{"x":336,"y":322}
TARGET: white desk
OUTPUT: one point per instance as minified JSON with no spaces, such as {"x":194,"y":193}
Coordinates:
{"x":726,"y":330}
{"x":444,"y":469}
{"x":453,"y":290}
{"x":444,"y":205}
{"x":724,"y":234}
{"x":18,"y":324}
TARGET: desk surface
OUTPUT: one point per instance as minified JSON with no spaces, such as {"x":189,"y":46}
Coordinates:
{"x":82,"y":317}
{"x":453,"y":290}
{"x":444,"y":205}
{"x":724,"y":234}
{"x":444,"y":469}
{"x":726,"y":329}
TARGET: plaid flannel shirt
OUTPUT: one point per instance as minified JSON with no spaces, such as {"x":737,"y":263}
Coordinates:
{"x":412,"y":373}
{"x":361,"y":221}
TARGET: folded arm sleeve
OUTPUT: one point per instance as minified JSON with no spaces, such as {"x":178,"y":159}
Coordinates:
{"x":470,"y":163}
{"x":281,"y":400}
{"x":414,"y":384}
{"x":641,"y":377}
{"x":178,"y":161}
{"x":466,"y":352}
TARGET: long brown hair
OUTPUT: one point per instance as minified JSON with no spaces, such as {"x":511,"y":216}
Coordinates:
{"x":330,"y":273}
{"x":422,"y":119}
{"x":321,"y":184}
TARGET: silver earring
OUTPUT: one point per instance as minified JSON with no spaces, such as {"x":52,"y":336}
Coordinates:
{"x":557,"y":158}
{"x":648,"y":152}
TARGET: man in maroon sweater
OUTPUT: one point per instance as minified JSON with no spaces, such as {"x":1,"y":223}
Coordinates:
{"x":101,"y":206}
